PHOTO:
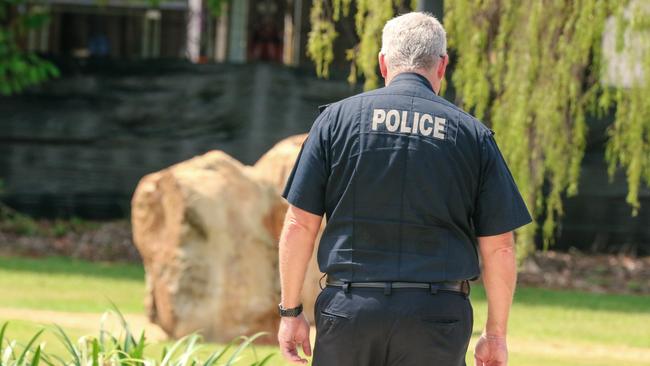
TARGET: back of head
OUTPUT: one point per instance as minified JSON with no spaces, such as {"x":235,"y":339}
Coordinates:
{"x":413,"y":41}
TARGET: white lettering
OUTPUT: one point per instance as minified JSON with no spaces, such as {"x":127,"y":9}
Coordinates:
{"x":423,"y":124}
{"x":425,"y":130}
{"x":394,"y":116}
{"x":378,"y":116}
{"x":416,"y":121}
{"x":439,"y":128}
{"x":403,"y":127}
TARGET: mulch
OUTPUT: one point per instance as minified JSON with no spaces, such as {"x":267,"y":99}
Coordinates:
{"x":110,"y":241}
{"x":573,"y":270}
{"x":597,"y":273}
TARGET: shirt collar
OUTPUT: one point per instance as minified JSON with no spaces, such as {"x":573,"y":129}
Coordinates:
{"x":412,"y":76}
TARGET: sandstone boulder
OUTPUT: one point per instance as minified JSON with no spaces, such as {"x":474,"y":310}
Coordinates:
{"x":274,"y":167}
{"x":207,"y":230}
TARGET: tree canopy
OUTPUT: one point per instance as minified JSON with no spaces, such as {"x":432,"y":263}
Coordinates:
{"x":533,"y":71}
{"x":20,"y":68}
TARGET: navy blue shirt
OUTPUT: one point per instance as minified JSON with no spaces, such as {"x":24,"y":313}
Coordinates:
{"x":407,"y":181}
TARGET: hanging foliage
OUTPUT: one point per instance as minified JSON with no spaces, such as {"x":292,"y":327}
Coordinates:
{"x":369,"y":19}
{"x":629,"y":143}
{"x":320,"y":42}
{"x":530,"y":69}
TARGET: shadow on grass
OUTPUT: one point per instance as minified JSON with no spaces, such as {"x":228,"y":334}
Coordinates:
{"x":69,"y":266}
{"x":570,"y":299}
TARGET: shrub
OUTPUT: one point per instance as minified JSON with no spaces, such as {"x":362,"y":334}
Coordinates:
{"x":121,"y":350}
{"x":18,"y":223}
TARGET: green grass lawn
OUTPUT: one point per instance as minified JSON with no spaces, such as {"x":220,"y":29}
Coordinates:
{"x":547,"y":327}
{"x":65,"y":284}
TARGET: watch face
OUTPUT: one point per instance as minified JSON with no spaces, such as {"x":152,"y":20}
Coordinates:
{"x":290,"y":312}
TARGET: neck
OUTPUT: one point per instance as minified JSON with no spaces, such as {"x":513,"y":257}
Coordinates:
{"x":430,"y":76}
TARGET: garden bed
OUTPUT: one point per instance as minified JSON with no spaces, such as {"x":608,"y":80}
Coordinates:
{"x":112,"y":241}
{"x":599,"y":273}
{"x":76,"y":238}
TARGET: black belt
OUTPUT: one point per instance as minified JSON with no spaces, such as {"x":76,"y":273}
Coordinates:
{"x":456,"y":286}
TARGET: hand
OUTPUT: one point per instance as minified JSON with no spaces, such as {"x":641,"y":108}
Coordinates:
{"x":491,"y":350}
{"x":294,"y":331}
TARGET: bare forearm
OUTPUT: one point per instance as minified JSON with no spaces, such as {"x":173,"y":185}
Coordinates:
{"x":499,"y":279}
{"x":295,"y":250}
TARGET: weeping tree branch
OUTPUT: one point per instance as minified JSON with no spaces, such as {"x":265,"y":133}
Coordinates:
{"x":533,"y":71}
{"x":369,"y":19}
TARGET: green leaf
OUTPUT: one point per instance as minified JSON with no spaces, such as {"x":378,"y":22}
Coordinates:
{"x":265,"y":360}
{"x":172,"y":350}
{"x":138,"y":350}
{"x":2,"y":332}
{"x":129,"y":341}
{"x":216,"y":356}
{"x":67,"y":343}
{"x":247,"y":341}
{"x":28,"y":346}
{"x":37,"y":357}
{"x":95,"y":351}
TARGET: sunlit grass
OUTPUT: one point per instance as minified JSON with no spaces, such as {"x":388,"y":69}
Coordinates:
{"x":65,"y":284}
{"x":547,"y":327}
{"x":550,"y":327}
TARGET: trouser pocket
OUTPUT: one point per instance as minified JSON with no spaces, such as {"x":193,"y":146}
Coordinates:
{"x":333,"y":330}
{"x":329,"y":321}
{"x":330,"y":310}
{"x":434,"y":331}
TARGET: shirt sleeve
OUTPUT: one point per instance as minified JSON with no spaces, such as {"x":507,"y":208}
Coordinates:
{"x":305,"y":187}
{"x":499,"y":205}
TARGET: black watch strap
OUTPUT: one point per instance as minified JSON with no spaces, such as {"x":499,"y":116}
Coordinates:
{"x":293,"y":312}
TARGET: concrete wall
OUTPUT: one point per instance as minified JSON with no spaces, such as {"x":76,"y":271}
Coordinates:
{"x":79,"y":145}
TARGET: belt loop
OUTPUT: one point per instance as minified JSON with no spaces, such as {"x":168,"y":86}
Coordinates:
{"x":434,"y":288}
{"x":465,"y":286}
{"x":346,"y":287}
{"x":320,"y":280}
{"x":387,"y":287}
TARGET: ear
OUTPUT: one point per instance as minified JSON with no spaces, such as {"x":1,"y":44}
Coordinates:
{"x":442,"y":67}
{"x":382,"y":65}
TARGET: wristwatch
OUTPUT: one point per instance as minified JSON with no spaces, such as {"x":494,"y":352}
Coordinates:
{"x":293,"y":312}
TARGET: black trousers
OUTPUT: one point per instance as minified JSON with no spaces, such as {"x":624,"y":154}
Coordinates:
{"x":406,"y":327}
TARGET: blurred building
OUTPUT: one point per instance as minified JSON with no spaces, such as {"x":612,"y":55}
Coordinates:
{"x":240,"y":31}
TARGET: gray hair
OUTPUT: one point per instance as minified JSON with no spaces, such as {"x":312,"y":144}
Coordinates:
{"x":413,"y":41}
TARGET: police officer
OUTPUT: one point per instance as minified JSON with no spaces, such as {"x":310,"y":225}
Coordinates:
{"x":413,"y":189}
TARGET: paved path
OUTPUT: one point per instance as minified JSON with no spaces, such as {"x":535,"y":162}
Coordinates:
{"x":85,"y":321}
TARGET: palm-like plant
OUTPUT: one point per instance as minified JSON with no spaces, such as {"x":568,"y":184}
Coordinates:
{"x":123,"y":349}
